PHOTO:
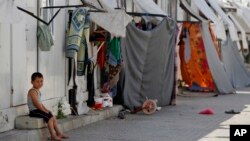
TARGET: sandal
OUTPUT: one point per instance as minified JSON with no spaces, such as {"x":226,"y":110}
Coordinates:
{"x":232,"y":112}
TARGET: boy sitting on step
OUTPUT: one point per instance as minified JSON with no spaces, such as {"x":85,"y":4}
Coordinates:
{"x":37,"y":109}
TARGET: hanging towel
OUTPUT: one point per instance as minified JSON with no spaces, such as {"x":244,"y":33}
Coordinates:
{"x":44,"y":38}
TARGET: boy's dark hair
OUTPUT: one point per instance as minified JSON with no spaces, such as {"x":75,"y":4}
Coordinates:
{"x":35,"y":75}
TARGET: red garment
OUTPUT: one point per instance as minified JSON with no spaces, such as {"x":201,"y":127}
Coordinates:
{"x":207,"y":111}
{"x":101,"y":57}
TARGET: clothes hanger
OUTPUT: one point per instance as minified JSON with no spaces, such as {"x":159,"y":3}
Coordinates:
{"x":145,"y":14}
{"x":85,"y":4}
{"x":39,"y":19}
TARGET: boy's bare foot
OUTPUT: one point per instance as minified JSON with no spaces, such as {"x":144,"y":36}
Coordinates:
{"x":63,"y":136}
{"x":56,"y":138}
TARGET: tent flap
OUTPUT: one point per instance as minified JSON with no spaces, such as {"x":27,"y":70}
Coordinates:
{"x":216,"y":66}
{"x":149,"y":64}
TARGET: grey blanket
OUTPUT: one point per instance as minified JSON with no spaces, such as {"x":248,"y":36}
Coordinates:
{"x":149,"y":64}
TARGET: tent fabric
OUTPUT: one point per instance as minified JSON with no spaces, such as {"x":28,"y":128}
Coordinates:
{"x":229,"y":23}
{"x":217,"y":69}
{"x":8,"y":12}
{"x":149,"y":64}
{"x":241,"y":10}
{"x":237,"y":73}
{"x":242,"y":31}
{"x":219,"y":27}
{"x":187,"y":51}
{"x":114,"y":21}
{"x":186,"y":6}
{"x":196,"y":70}
{"x":149,"y":6}
{"x":241,"y":15}
{"x":242,"y":20}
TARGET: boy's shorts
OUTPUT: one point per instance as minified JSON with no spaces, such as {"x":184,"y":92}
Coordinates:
{"x":41,"y":114}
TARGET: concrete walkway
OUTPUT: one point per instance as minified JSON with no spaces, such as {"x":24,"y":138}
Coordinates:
{"x":173,"y":123}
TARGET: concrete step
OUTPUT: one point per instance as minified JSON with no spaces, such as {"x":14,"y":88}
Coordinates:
{"x":67,"y":124}
{"x":26,"y":122}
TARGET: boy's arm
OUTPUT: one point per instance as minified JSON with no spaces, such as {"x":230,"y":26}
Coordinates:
{"x":45,"y":108}
{"x":37,"y":104}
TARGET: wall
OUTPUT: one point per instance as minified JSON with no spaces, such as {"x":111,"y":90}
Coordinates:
{"x":20,"y":58}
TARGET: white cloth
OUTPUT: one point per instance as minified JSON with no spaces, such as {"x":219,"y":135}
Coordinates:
{"x":9,"y":14}
{"x":229,"y":23}
{"x":148,"y":6}
{"x":219,"y":27}
{"x":114,"y":21}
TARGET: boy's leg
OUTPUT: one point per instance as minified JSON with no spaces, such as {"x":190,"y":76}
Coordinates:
{"x":58,"y":131}
{"x":52,"y":131}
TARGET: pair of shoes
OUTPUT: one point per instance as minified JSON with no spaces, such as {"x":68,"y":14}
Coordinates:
{"x":232,"y":112}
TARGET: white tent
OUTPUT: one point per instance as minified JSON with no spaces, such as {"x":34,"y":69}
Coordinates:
{"x":149,"y":6}
{"x":225,"y":18}
{"x":114,"y":20}
{"x":207,"y":11}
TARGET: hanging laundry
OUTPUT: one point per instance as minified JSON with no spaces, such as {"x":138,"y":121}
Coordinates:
{"x":114,"y":74}
{"x":82,"y":54}
{"x":101,"y":57}
{"x":90,"y":84}
{"x":44,"y":38}
{"x":78,"y":24}
{"x":114,"y":52}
